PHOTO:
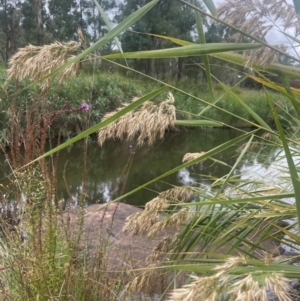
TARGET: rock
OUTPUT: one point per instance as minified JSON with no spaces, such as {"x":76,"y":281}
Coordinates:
{"x":102,"y":234}
{"x":103,"y":226}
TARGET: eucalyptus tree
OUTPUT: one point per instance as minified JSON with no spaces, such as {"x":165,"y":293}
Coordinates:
{"x":10,"y":35}
{"x":95,"y":20}
{"x":64,"y":19}
{"x":169,"y":18}
{"x":34,"y":16}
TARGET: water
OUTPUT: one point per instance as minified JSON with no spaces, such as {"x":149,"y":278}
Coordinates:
{"x":119,"y":167}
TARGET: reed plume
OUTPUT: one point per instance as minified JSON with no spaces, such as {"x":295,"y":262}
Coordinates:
{"x":191,"y":156}
{"x":258,"y":18}
{"x":35,"y":62}
{"x":150,"y":222}
{"x":240,"y":288}
{"x":147,"y":123}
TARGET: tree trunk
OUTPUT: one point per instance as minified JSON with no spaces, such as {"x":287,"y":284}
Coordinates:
{"x":39,"y":21}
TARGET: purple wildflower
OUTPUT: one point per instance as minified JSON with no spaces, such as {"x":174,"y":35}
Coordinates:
{"x":84,"y":107}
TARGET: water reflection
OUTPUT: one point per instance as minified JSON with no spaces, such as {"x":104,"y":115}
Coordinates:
{"x":119,"y":167}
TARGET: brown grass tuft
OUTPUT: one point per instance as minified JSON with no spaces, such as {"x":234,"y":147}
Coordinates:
{"x":35,"y":62}
{"x":148,"y":122}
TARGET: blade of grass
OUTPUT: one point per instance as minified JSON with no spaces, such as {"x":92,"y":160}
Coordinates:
{"x":198,"y":123}
{"x":211,"y":7}
{"x":228,"y":176}
{"x":202,"y":40}
{"x":290,"y":36}
{"x":289,"y":91}
{"x":189,"y":50}
{"x":275,"y":68}
{"x":256,"y":117}
{"x":255,"y":267}
{"x":289,"y":158}
{"x":256,"y":199}
{"x":109,"y":26}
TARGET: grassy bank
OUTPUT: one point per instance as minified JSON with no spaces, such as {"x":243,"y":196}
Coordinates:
{"x":105,"y":91}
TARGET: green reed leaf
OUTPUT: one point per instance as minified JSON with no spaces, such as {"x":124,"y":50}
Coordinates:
{"x":292,"y":168}
{"x":211,"y":6}
{"x":184,"y":51}
{"x":288,"y":71}
{"x":198,"y":123}
{"x":202,"y":40}
{"x":108,"y":24}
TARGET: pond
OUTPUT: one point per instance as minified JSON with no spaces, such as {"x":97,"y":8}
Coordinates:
{"x":119,"y":167}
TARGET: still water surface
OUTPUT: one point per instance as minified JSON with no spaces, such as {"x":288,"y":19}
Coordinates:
{"x":119,"y":167}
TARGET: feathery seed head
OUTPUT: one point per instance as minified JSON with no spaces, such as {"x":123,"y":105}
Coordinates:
{"x":191,"y":156}
{"x":178,"y":194}
{"x":147,"y":123}
{"x":257,"y":18}
{"x":279,"y":285}
{"x":161,"y":249}
{"x":202,"y":288}
{"x":35,"y":62}
{"x":140,"y":222}
{"x":230,"y":263}
{"x":247,"y":289}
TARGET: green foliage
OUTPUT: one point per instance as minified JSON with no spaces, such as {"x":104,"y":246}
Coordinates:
{"x":42,"y":258}
{"x":168,"y":18}
{"x":229,"y":217}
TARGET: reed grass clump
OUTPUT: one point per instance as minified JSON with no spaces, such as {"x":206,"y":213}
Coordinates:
{"x":43,"y":256}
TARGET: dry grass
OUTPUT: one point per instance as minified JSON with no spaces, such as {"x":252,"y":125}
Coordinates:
{"x":147,"y":123}
{"x":35,"y":62}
